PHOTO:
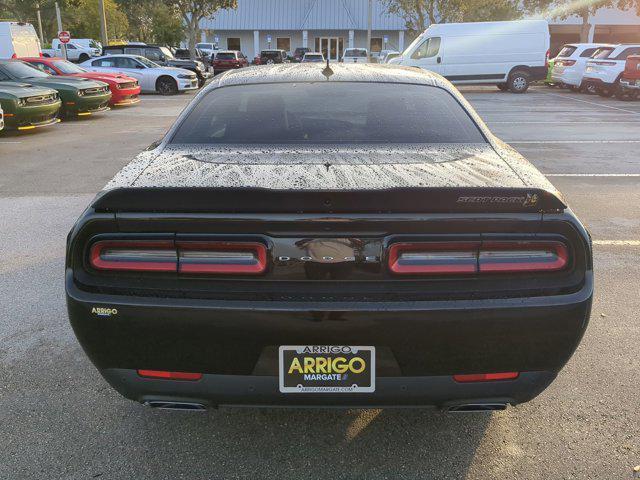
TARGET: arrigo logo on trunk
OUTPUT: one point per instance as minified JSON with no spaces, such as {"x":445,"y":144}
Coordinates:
{"x":104,"y":312}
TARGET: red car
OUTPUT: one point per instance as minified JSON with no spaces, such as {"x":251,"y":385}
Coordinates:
{"x":228,"y":60}
{"x":124,"y":90}
{"x":630,"y":81}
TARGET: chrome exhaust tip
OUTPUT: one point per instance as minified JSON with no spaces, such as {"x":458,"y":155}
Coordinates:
{"x":476,"y":407}
{"x":182,"y":406}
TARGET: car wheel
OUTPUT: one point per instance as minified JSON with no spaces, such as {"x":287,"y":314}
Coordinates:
{"x":166,"y":86}
{"x":518,"y":81}
{"x":83,"y":57}
{"x":502,"y":87}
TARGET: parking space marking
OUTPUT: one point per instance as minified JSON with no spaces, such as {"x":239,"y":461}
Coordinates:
{"x":570,"y":141}
{"x":592,"y":103}
{"x":618,"y":243}
{"x":563,"y":122}
{"x":592,"y":174}
{"x":8,"y":143}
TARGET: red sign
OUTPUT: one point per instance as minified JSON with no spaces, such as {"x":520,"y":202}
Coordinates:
{"x":64,"y":37}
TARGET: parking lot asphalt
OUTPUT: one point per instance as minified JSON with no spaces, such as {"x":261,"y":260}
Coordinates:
{"x":59,"y":419}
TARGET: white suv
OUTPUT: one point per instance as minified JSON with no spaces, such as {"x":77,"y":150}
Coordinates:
{"x":569,"y":65}
{"x":605,"y":67}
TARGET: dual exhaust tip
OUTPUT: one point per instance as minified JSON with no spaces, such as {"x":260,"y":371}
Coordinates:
{"x":199,"y":407}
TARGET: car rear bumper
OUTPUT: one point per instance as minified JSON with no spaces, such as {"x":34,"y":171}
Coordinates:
{"x":421,"y":345}
{"x":567,"y":76}
{"x":253,"y":390}
{"x":631,"y":84}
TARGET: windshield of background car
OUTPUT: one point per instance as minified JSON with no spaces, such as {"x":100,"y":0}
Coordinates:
{"x":327,"y":112}
{"x":602,"y":53}
{"x":355,"y":52}
{"x":567,"y":51}
{"x":146,"y":62}
{"x":68,"y":68}
{"x":226,"y":56}
{"x":23,"y":70}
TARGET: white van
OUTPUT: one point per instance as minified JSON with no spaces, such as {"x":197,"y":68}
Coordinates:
{"x":18,"y":40}
{"x":508,"y":54}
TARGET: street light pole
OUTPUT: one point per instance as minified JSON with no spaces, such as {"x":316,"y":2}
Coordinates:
{"x":103,"y":23}
{"x":63,"y":47}
{"x":369,"y":30}
{"x":39,"y":24}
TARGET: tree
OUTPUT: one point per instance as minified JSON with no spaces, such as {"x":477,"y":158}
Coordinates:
{"x":193,"y":11}
{"x":153,"y":21}
{"x":419,"y":14}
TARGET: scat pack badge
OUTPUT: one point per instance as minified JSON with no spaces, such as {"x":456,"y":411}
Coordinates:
{"x":104,"y":312}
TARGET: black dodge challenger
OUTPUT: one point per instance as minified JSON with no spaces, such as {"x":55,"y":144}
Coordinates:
{"x":350,"y":235}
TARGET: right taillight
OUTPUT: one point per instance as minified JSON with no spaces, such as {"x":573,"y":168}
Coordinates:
{"x":460,"y":258}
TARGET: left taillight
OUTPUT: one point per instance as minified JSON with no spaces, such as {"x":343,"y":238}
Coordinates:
{"x":460,"y":258}
{"x":187,"y":257}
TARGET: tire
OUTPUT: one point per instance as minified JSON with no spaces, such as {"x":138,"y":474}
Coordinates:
{"x":588,"y":88}
{"x":519,"y":81}
{"x":83,"y":57}
{"x":502,"y":87}
{"x":166,"y":86}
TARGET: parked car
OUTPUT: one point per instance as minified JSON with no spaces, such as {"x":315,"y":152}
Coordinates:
{"x":80,"y":97}
{"x":18,"y":39}
{"x":313,"y":57}
{"x":630,"y":80}
{"x":604,"y":69}
{"x":1,"y":118}
{"x":228,"y":60}
{"x":89,"y":43}
{"x":355,"y":55}
{"x":75,"y":52}
{"x":386,"y":55}
{"x":509,"y":54}
{"x":124,"y":90}
{"x":445,"y":270}
{"x":27,"y":106}
{"x":151,"y":76}
{"x":209,"y":49}
{"x":162,"y":56}
{"x":378,"y":57}
{"x":185,"y":54}
{"x":299,"y":53}
{"x":268,"y":57}
{"x":570,"y":63}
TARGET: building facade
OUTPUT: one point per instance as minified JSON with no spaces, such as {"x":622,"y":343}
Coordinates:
{"x":331,"y":26}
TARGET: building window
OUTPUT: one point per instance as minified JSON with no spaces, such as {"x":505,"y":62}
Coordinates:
{"x":233,"y":43}
{"x":376,"y":44}
{"x":283,"y":43}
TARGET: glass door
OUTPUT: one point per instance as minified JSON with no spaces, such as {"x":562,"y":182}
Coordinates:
{"x":331,"y":47}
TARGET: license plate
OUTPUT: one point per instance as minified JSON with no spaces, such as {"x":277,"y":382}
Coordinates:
{"x":327,"y":369}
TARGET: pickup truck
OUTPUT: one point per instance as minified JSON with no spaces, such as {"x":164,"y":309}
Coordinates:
{"x":75,"y":51}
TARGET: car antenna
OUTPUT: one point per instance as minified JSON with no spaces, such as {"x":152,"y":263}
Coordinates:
{"x":327,"y":72}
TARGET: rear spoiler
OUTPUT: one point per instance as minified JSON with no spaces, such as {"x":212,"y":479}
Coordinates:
{"x":262,"y":200}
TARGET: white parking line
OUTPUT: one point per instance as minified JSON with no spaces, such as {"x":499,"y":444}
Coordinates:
{"x":592,"y":174}
{"x":567,"y":122}
{"x":8,"y":143}
{"x":618,"y":243}
{"x":592,"y":103}
{"x":570,"y":141}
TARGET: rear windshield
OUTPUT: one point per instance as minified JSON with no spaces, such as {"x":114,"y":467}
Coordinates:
{"x":327,"y":112}
{"x":226,"y":56}
{"x":567,"y":51}
{"x":602,"y":53}
{"x":355,"y":52}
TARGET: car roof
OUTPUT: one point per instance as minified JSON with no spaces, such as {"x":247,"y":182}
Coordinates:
{"x":340,"y":72}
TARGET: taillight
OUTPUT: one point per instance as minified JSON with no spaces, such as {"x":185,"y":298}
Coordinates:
{"x":546,"y":58}
{"x":459,"y":258}
{"x":134,"y":255}
{"x":222,"y":258}
{"x":485,"y":377}
{"x":196,"y":257}
{"x":433,"y":258}
{"x":170,"y":375}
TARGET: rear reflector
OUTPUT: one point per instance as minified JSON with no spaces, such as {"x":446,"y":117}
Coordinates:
{"x":169,"y":375}
{"x":222,"y":258}
{"x":457,"y":258}
{"x":227,"y":258}
{"x":485,"y":377}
